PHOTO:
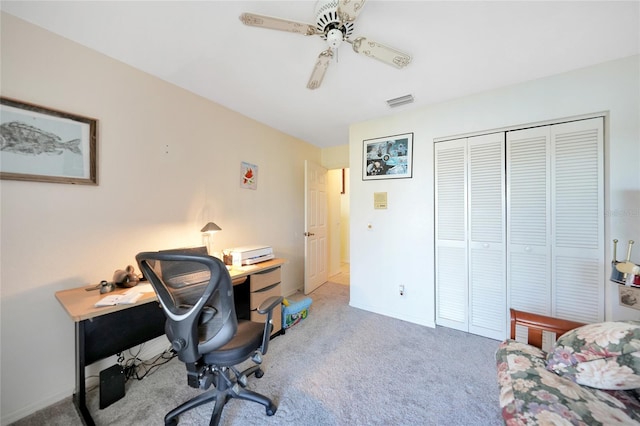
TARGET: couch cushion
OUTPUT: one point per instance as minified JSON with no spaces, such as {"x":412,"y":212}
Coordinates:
{"x":532,"y":395}
{"x":604,"y":355}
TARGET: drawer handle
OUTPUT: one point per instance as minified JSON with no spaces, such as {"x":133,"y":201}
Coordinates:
{"x":262,"y":290}
{"x":268,"y":271}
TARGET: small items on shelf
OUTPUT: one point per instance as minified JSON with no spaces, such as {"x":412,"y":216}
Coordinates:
{"x":627,"y":272}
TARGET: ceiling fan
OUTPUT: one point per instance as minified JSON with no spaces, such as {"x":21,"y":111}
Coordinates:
{"x":334,"y":23}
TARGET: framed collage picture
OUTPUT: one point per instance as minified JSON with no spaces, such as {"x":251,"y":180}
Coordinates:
{"x":389,"y":157}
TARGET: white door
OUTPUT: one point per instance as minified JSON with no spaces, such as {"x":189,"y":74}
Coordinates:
{"x":470,"y":235}
{"x":555,"y":257}
{"x":316,"y":247}
{"x":528,"y":220}
{"x":452,"y":296}
{"x":577,"y":220}
{"x":486,"y":236}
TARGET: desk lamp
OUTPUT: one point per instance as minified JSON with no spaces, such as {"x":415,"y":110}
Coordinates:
{"x":210,"y":229}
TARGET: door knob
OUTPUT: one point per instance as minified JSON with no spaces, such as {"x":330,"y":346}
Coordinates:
{"x":308,"y":234}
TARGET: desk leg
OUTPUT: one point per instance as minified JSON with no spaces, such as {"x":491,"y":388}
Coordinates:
{"x":79,"y":398}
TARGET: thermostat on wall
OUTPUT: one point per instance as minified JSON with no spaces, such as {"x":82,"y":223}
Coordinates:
{"x":379,"y":200}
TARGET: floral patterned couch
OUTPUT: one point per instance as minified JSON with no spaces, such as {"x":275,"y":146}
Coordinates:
{"x":590,"y":376}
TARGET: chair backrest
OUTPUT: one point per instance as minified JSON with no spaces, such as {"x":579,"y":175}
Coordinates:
{"x":196,"y":294}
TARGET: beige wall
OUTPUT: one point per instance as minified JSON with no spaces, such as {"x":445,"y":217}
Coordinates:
{"x":335,"y":157}
{"x":168,"y":162}
{"x":345,"y":218}
{"x":338,"y":220}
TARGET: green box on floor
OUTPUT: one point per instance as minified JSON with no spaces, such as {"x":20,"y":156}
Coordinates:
{"x":295,"y":312}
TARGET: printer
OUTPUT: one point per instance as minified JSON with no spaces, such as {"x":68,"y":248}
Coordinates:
{"x":249,"y":255}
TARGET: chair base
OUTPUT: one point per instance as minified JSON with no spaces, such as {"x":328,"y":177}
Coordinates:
{"x":224,"y":389}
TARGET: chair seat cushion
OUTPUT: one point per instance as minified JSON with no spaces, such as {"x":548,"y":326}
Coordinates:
{"x":247,"y":339}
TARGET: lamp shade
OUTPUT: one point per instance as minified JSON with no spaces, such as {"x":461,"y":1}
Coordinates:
{"x":211,"y":228}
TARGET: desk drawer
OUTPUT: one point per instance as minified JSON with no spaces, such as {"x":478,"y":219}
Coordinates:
{"x":276,"y":318}
{"x":260,"y":280}
{"x":257,"y":297}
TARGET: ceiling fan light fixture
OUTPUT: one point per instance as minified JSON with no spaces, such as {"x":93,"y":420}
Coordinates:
{"x":334,"y":23}
{"x":334,"y":38}
{"x":402,"y":100}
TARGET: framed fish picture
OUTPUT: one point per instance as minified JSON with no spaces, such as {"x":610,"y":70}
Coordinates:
{"x":46,"y":145}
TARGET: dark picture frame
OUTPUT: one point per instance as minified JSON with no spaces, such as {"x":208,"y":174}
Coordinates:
{"x":46,"y":145}
{"x":389,"y":157}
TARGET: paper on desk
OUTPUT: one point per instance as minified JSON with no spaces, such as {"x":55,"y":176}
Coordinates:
{"x":140,"y":288}
{"x":118,"y":299}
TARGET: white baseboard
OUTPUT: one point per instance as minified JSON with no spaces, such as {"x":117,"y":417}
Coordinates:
{"x":294,"y":291}
{"x":150,"y":349}
{"x":397,"y":315}
{"x":8,"y":418}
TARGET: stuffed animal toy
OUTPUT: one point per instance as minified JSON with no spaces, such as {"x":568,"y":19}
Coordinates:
{"x":126,"y":278}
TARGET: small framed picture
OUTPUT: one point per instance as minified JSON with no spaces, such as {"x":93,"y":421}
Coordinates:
{"x":629,"y":296}
{"x":390,"y":157}
{"x":248,"y":175}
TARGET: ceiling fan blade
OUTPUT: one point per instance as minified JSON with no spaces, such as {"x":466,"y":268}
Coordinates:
{"x":280,"y":24}
{"x":383,"y":53}
{"x":348,"y":10}
{"x":320,"y":69}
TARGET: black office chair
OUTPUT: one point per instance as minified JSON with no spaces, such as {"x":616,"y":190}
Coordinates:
{"x":196,"y":294}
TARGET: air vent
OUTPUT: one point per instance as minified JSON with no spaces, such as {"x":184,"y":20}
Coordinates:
{"x":402,"y":100}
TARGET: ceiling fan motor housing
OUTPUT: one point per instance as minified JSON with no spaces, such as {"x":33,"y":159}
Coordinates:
{"x":327,"y":20}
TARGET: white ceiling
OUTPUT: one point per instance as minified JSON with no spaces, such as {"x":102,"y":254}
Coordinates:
{"x":458,"y":48}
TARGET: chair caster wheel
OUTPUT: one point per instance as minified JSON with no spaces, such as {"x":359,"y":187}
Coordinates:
{"x":259,"y":373}
{"x":271,"y":410}
{"x":172,"y":422}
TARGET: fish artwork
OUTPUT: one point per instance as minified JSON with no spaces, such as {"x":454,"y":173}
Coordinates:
{"x":22,"y":138}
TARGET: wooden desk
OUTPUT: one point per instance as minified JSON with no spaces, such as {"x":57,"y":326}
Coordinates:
{"x":105,"y":331}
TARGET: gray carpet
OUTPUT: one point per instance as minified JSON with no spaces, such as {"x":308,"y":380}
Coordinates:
{"x":340,"y":366}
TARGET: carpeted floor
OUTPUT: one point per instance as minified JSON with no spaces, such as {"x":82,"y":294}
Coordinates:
{"x":340,"y":366}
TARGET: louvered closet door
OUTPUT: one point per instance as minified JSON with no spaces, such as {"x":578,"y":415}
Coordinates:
{"x":555,"y":233}
{"x":486,"y":236}
{"x":470,"y":235}
{"x":577,"y":214}
{"x":528,"y":220}
{"x":451,"y":235}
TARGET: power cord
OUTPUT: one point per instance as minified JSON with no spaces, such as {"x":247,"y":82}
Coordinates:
{"x":135,"y":368}
{"x":131,"y":367}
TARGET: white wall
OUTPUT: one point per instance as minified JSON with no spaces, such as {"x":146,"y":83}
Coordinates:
{"x":399,"y":249}
{"x":168,"y":162}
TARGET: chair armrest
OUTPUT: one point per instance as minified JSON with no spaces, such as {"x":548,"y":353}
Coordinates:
{"x":267,"y":308}
{"x":269,"y":304}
